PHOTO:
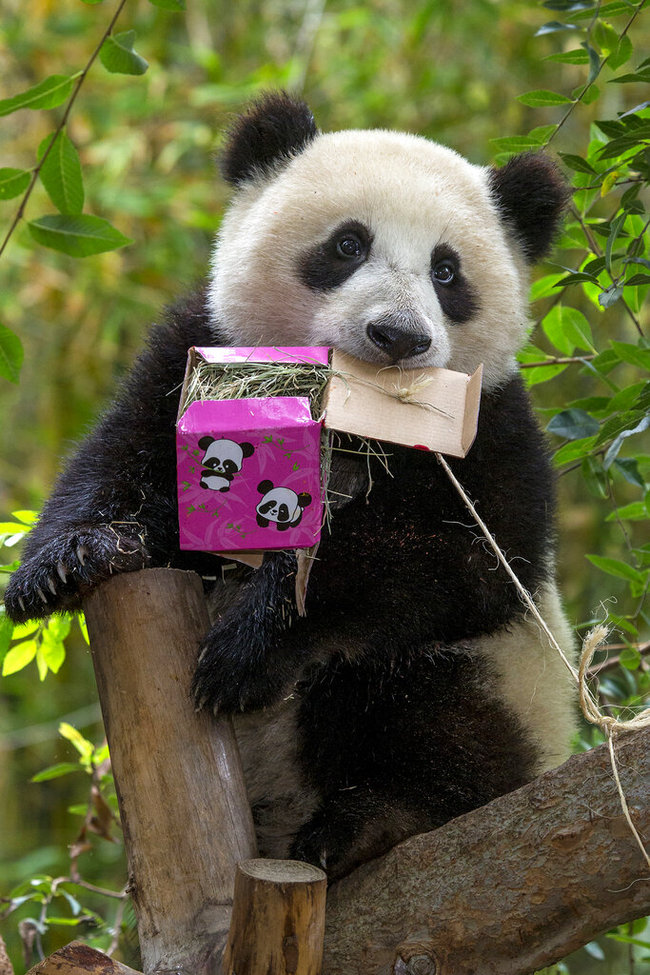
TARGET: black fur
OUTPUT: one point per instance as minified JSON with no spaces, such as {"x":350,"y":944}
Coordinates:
{"x":458,"y":299}
{"x":531,"y":195}
{"x":271,"y":132}
{"x":325,"y":267}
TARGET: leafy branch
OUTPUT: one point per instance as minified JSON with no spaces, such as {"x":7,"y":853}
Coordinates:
{"x":80,"y":78}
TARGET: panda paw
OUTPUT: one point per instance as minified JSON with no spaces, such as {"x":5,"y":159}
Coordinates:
{"x":62,"y":571}
{"x":327,"y":844}
{"x":231,"y":676}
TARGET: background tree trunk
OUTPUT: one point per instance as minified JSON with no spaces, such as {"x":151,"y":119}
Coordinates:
{"x":508,"y":888}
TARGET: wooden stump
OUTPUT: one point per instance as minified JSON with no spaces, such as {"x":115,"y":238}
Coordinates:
{"x":183,"y":806}
{"x":278,"y":919}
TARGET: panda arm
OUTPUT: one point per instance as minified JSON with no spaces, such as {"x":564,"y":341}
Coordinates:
{"x":411,"y":566}
{"x":113,"y":508}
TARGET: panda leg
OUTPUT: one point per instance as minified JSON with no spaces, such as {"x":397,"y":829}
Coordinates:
{"x":402,"y":748}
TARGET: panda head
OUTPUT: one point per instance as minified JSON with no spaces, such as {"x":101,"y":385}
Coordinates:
{"x":384,"y":245}
{"x":224,"y":456}
{"x":280,"y":505}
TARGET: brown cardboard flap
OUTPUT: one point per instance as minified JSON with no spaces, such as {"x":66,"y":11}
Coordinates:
{"x":432,"y":408}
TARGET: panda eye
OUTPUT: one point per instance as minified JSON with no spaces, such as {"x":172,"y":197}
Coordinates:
{"x":444,"y":272}
{"x":349,"y":247}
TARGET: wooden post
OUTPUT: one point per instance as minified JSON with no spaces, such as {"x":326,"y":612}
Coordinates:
{"x":183,"y":806}
{"x":278,"y":919}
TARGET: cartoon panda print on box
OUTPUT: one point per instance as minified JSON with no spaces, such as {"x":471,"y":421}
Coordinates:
{"x":415,"y":688}
{"x":222,"y":459}
{"x":280,"y":505}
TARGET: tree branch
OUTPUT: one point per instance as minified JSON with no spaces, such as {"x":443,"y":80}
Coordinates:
{"x":506,"y":889}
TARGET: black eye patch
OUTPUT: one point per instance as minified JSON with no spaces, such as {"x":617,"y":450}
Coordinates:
{"x":457,"y":298}
{"x":330,"y":264}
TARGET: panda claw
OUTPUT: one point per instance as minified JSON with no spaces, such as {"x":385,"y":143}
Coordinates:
{"x":82,"y":553}
{"x":21,"y":603}
{"x":61,"y":571}
{"x":51,"y":586}
{"x":41,"y":595}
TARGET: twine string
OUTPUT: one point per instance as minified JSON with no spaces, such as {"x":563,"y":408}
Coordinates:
{"x":610,"y":726}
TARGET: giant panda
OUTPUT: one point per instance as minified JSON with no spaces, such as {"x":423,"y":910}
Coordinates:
{"x":415,"y":687}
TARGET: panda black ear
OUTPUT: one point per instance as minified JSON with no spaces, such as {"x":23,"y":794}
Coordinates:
{"x":205,"y":442}
{"x":304,"y":499}
{"x":531,"y":195}
{"x":265,"y":486}
{"x":273,"y":130}
{"x":247,"y":449}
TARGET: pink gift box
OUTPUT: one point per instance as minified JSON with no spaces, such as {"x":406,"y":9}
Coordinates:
{"x":249,"y":470}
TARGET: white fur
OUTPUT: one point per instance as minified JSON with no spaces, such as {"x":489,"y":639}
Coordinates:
{"x":280,"y":799}
{"x":412,"y":194}
{"x":531,"y":680}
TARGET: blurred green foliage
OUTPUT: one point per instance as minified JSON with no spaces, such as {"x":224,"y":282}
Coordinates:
{"x":133,"y":161}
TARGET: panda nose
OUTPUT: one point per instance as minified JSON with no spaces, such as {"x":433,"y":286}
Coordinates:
{"x":397,"y":337}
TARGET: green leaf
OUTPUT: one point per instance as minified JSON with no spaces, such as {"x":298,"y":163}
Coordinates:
{"x":83,"y":746}
{"x":633,"y":354}
{"x":47,"y":94}
{"x":605,"y":36}
{"x":18,"y":657}
{"x":615,"y":567}
{"x":639,"y":77}
{"x":60,"y":174}
{"x":578,"y":56}
{"x":515,"y":143}
{"x":594,"y":63}
{"x":595,"y":477}
{"x":6,"y":632}
{"x":13,"y":182}
{"x":610,"y":295}
{"x":573,"y":425}
{"x":118,"y":57}
{"x":623,"y":53}
{"x":56,"y":771}
{"x":53,"y":652}
{"x":577,"y":163}
{"x":169,"y":4}
{"x":544,"y":287}
{"x":636,"y":511}
{"x":11,"y":355}
{"x":575,"y":450}
{"x":77,"y":235}
{"x":553,"y":26}
{"x":542,"y":97}
{"x":568,"y":329}
{"x":629,"y":468}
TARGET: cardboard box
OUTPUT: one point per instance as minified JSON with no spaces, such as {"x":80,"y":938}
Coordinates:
{"x":249,"y":470}
{"x":433,"y":409}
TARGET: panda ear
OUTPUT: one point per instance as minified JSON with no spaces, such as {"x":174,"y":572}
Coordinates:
{"x":247,"y":449}
{"x":304,"y":499}
{"x":265,"y":486}
{"x":205,"y":442}
{"x":531,"y":196}
{"x":273,"y":130}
